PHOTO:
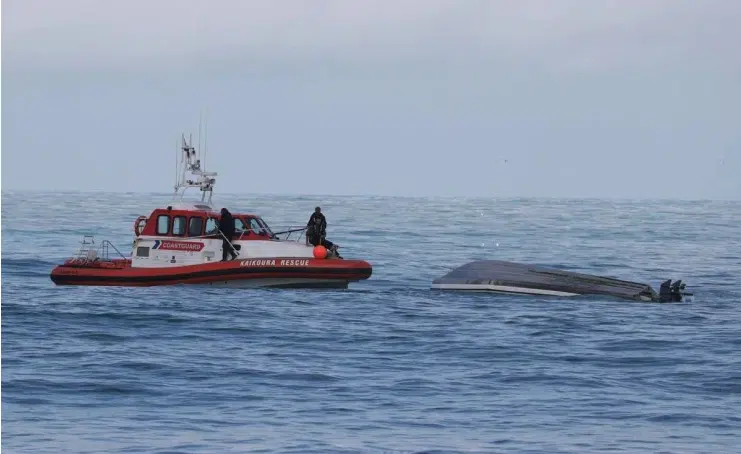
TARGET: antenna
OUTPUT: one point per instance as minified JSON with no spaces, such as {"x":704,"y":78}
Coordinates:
{"x":200,"y":122}
{"x":192,"y":163}
{"x":205,"y":142}
{"x":176,"y":164}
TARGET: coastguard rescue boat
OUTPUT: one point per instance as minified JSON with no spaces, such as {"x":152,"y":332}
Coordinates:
{"x":181,"y":244}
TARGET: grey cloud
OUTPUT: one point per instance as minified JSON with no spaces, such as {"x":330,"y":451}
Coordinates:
{"x":563,"y":34}
{"x":649,"y":101}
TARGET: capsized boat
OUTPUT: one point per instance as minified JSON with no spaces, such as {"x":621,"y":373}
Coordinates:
{"x":517,"y":278}
{"x":181,"y":244}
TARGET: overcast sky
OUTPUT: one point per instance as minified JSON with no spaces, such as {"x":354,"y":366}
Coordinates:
{"x":623,"y":98}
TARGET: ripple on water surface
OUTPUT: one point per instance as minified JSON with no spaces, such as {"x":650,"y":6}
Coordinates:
{"x":387,"y":366}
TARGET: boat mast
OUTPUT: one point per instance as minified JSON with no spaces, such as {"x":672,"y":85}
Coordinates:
{"x":190,"y":162}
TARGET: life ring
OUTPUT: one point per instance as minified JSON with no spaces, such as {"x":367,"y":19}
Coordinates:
{"x":139,"y":225}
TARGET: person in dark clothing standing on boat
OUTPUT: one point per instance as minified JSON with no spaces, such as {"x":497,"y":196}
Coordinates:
{"x":226,"y":227}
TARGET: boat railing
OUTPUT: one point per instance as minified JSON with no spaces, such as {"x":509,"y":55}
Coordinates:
{"x":105,"y":245}
{"x":89,"y":252}
{"x":240,"y":234}
{"x":288,"y":231}
{"x":87,"y":248}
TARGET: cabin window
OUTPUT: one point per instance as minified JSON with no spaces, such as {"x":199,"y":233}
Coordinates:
{"x":195,"y":228}
{"x":178,"y":225}
{"x":264,"y":226}
{"x":239,"y":226}
{"x":211,"y":226}
{"x":163,"y":224}
{"x":256,"y":227}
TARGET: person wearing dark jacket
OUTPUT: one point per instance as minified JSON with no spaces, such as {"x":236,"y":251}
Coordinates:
{"x":318,"y":223}
{"x":316,"y":231}
{"x":226,"y":227}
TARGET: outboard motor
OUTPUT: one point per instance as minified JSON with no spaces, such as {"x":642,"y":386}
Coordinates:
{"x":678,"y":290}
{"x":672,"y":293}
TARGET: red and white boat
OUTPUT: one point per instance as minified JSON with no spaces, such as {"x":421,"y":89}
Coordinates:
{"x":180,"y":244}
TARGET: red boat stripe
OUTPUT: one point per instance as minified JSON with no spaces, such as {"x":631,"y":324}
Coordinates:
{"x":114,"y":276}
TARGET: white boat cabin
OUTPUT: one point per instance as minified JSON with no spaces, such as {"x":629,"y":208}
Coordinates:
{"x":187,"y":234}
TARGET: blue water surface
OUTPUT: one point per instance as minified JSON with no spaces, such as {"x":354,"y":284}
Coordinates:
{"x":387,"y":365}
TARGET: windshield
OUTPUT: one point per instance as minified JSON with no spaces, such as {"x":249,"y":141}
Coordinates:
{"x":264,"y":225}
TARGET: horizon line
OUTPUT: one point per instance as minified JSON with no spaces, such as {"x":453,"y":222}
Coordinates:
{"x":430,"y":196}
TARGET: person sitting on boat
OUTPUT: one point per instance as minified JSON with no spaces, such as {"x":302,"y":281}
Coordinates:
{"x":318,"y":221}
{"x":226,"y":227}
{"x":316,"y":231}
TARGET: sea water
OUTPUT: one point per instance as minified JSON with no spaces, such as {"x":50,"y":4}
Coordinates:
{"x":387,"y":365}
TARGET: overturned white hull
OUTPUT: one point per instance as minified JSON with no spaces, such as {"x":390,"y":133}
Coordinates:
{"x":523,"y":279}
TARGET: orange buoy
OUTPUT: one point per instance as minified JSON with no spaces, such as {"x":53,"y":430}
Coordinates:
{"x":320,"y":252}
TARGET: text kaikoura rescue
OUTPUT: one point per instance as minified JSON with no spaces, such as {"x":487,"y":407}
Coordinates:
{"x":271,"y":262}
